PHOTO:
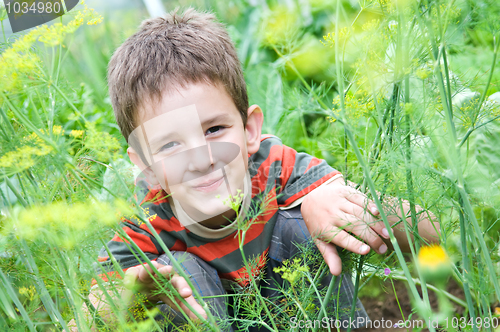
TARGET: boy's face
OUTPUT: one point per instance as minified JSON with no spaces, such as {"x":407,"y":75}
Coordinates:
{"x":196,"y":147}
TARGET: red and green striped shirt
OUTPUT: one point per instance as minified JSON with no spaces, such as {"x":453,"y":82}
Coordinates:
{"x":280,"y":176}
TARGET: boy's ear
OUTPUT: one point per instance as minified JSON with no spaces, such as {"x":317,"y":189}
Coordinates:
{"x":253,"y":128}
{"x":146,"y":170}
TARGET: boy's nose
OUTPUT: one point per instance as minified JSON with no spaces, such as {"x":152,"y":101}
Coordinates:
{"x":199,"y":160}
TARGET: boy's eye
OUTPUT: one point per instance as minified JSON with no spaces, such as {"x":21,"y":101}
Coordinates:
{"x":169,"y":146}
{"x":213,"y":130}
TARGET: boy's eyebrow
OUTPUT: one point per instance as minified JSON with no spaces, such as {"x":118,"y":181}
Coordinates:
{"x":218,"y":118}
{"x":207,"y":123}
{"x":159,"y":139}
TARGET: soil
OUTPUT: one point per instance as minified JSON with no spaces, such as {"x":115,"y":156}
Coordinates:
{"x":386,"y":306}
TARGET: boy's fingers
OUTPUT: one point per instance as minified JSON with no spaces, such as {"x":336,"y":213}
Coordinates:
{"x":360,"y":199}
{"x":181,"y":285}
{"x":344,"y":240}
{"x":358,"y":227}
{"x":166,"y":270}
{"x":132,"y":272}
{"x":192,"y":302}
{"x":145,"y":274}
{"x":131,"y":276}
{"x":185,"y":292}
{"x":329,"y":253}
{"x":177,"y":305}
{"x":376,"y":224}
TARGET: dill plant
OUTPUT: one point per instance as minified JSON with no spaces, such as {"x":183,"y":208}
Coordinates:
{"x":51,"y":173}
{"x":403,"y":121}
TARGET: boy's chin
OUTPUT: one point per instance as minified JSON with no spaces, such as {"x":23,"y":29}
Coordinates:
{"x":206,"y":210}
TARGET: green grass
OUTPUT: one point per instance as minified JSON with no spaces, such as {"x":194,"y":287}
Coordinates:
{"x":396,"y":99}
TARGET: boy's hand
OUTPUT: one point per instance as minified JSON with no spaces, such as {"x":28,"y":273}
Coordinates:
{"x":334,"y":211}
{"x":141,"y":276}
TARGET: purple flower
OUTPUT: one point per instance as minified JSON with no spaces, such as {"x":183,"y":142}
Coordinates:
{"x":387,"y":271}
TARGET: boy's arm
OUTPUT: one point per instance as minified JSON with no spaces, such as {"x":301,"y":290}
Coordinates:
{"x":100,"y":303}
{"x":334,"y":212}
{"x":428,"y":228}
{"x":139,"y":277}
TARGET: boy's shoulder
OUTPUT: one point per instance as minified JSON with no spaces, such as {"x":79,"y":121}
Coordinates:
{"x":272,"y":151}
{"x":270,"y":145}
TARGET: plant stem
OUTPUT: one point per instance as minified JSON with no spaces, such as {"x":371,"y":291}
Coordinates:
{"x":7,"y":286}
{"x":356,"y":289}
{"x":467,"y":134}
{"x":241,"y":240}
{"x":326,"y":300}
{"x":3,"y":32}
{"x":465,"y":262}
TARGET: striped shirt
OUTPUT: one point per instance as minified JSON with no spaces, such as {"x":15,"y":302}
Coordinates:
{"x":280,"y":178}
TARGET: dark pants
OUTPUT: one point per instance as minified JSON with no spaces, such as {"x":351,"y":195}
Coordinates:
{"x":290,"y":235}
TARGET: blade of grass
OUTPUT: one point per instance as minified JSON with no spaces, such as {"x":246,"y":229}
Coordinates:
{"x":12,"y":294}
{"x":54,"y":314}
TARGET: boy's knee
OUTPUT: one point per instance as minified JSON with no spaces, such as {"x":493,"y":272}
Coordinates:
{"x":290,"y":234}
{"x":203,"y":276}
{"x":178,"y":255}
{"x":204,"y":279}
{"x":184,"y":258}
{"x":292,"y":227}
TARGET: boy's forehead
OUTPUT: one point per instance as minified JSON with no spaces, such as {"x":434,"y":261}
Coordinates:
{"x":168,"y":125}
{"x":181,"y":120}
{"x":207,"y":98}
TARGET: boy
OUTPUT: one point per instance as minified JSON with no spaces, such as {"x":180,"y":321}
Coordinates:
{"x":180,"y":100}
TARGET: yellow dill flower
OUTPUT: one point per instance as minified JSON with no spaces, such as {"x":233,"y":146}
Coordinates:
{"x":371,"y":25}
{"x":65,"y":222}
{"x":57,"y":130}
{"x":329,"y":39}
{"x":434,"y":262}
{"x":331,"y":119}
{"x":77,"y":133}
{"x":105,"y":146}
{"x":18,"y":61}
{"x":292,"y":270}
{"x":55,"y":34}
{"x":29,"y":292}
{"x":423,"y":73}
{"x":356,"y":106}
{"x":24,"y":157}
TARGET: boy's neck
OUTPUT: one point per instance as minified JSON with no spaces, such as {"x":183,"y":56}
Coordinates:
{"x":215,"y":222}
{"x":223,"y":219}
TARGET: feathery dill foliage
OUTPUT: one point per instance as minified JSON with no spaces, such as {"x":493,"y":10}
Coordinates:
{"x":55,"y":208}
{"x":410,"y":120}
{"x":400,"y":95}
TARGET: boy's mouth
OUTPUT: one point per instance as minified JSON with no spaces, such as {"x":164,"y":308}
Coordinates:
{"x":209,"y":185}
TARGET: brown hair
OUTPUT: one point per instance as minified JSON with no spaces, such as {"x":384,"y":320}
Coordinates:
{"x":168,"y":52}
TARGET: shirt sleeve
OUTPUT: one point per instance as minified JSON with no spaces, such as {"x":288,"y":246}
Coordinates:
{"x":294,"y":174}
{"x":124,"y":253}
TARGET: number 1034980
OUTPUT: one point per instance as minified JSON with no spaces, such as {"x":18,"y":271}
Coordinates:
{"x":33,"y":7}
{"x":480,"y":322}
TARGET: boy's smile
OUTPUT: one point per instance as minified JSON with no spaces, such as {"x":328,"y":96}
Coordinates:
{"x":196,"y":146}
